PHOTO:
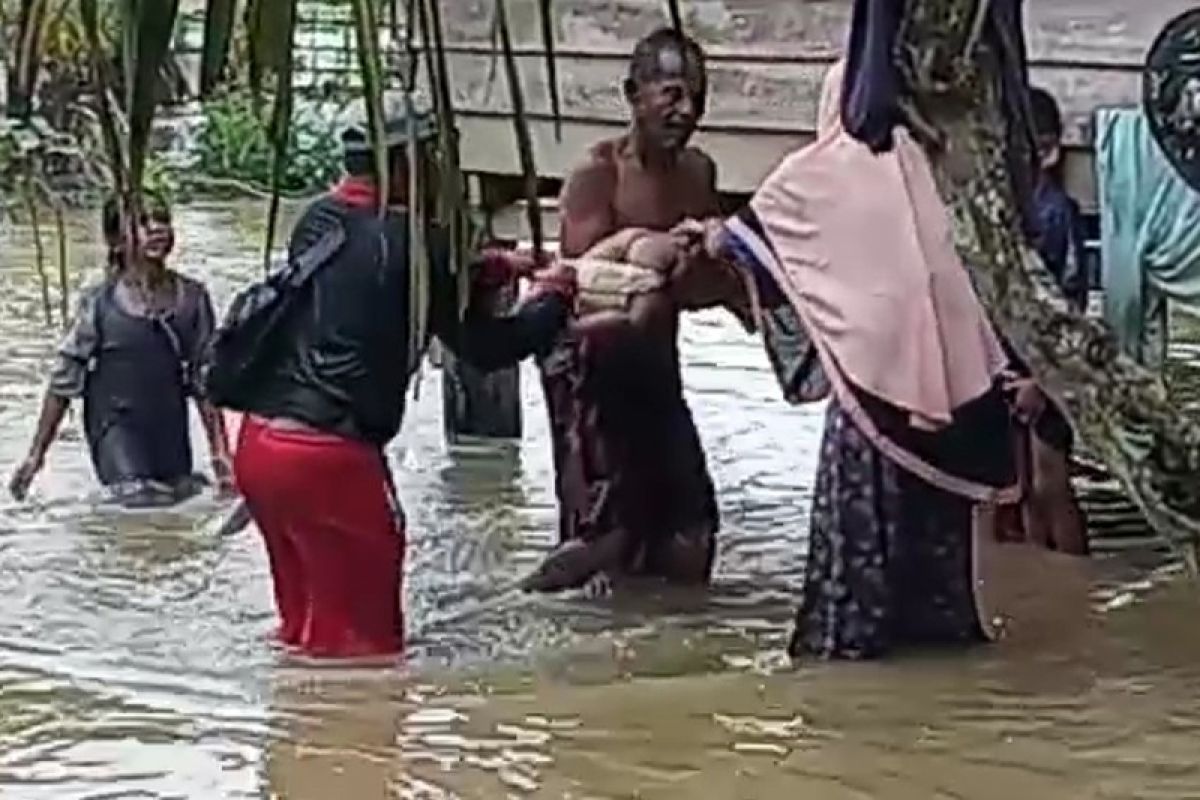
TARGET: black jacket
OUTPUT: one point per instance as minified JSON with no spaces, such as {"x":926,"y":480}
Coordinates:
{"x":346,"y":369}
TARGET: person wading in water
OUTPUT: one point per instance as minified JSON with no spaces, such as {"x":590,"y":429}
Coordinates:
{"x":1052,"y":514}
{"x":630,"y":475}
{"x":132,"y":354}
{"x":310,"y":461}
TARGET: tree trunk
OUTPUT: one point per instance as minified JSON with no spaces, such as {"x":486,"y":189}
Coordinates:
{"x":953,"y":82}
{"x":475,"y":404}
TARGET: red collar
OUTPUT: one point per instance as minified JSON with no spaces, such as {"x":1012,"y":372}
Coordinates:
{"x":357,"y":192}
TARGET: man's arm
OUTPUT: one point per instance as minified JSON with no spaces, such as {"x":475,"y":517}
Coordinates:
{"x":704,"y":281}
{"x":483,"y":338}
{"x":585,"y":206}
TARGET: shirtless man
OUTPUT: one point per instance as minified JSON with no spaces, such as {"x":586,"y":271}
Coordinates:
{"x":631,"y":478}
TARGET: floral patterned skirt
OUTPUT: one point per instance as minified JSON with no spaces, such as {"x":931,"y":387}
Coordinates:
{"x":891,"y":557}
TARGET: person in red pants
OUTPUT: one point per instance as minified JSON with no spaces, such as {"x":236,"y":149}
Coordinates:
{"x":331,"y":393}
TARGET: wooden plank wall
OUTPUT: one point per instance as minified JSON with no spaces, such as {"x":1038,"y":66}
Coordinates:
{"x":766,"y":62}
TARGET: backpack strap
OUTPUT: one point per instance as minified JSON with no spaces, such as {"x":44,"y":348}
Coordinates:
{"x":301,"y":270}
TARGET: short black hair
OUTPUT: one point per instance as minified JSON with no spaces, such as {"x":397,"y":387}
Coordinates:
{"x":362,"y":165}
{"x":1047,"y":117}
{"x":645,"y":64}
{"x":111,"y":214}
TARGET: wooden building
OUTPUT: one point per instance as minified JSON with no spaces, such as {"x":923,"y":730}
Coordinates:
{"x":767,"y":59}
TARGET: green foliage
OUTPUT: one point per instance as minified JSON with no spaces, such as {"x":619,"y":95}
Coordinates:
{"x":235,"y":143}
{"x":161,"y":181}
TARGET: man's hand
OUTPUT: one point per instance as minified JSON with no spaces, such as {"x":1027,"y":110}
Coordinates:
{"x":18,"y":487}
{"x":701,"y":237}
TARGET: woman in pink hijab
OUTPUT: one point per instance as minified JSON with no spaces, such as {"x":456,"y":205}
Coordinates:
{"x":863,"y":300}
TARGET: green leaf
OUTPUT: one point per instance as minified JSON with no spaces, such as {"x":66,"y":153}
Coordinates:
{"x":219,"y":17}
{"x":30,"y":25}
{"x":371,"y":69}
{"x":102,"y":84}
{"x":148,"y":26}
{"x":269,"y":43}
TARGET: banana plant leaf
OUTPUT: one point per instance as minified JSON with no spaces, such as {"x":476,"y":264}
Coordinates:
{"x":370,"y":62}
{"x":953,"y":88}
{"x":269,"y":43}
{"x":30,"y":24}
{"x":454,"y":209}
{"x":281,"y":121}
{"x":102,"y":84}
{"x":419,"y":219}
{"x":219,"y":17}
{"x":148,"y":27}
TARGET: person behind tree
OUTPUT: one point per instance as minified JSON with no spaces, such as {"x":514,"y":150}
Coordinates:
{"x":1051,"y":512}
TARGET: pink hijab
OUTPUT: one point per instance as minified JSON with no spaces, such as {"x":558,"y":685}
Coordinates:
{"x":861,"y":246}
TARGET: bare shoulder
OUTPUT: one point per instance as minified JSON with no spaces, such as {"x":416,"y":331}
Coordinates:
{"x":592,"y":183}
{"x":700,"y":175}
{"x":699,"y":164}
{"x":598,"y":166}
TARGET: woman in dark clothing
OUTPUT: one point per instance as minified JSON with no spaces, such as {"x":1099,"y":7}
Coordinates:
{"x":889,"y":329}
{"x":132,"y":354}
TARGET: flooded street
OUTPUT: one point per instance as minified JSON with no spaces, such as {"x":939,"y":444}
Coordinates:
{"x":136,"y":657}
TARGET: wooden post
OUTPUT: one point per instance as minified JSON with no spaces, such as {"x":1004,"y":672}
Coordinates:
{"x":479,"y":405}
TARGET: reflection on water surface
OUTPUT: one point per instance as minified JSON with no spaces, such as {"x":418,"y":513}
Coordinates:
{"x":135,"y":658}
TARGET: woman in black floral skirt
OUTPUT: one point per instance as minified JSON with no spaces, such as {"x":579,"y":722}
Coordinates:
{"x":862,"y":299}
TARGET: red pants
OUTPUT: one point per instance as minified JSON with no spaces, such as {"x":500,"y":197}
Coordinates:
{"x":336,"y":555}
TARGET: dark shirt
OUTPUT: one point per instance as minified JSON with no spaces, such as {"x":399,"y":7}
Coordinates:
{"x":346,"y":367}
{"x":1060,"y":241}
{"x":135,"y":371}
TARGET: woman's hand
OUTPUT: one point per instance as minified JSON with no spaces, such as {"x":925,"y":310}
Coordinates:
{"x":1028,"y":402}
{"x":701,"y":237}
{"x":24,"y":474}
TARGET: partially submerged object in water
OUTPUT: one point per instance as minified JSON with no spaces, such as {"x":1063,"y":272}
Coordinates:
{"x":136,"y":494}
{"x":573,"y":563}
{"x":235,"y":521}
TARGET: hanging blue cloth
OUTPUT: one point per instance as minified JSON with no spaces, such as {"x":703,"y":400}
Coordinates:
{"x":1149,"y":227}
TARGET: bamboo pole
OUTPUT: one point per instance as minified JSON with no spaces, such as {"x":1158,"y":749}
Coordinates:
{"x":39,"y":252}
{"x":64,"y":288}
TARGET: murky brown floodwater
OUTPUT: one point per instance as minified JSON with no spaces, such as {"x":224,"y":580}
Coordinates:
{"x":135,"y":658}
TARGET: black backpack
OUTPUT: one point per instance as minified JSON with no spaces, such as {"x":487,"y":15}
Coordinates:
{"x":235,"y":359}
